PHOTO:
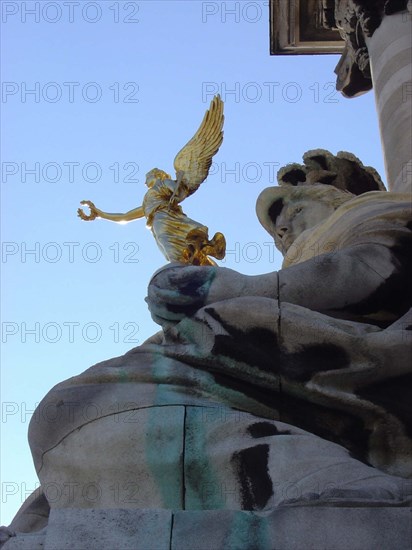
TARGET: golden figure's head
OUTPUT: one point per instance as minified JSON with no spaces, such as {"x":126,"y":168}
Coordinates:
{"x":154,"y":175}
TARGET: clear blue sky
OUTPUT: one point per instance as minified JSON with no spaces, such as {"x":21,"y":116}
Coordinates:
{"x":95,"y":95}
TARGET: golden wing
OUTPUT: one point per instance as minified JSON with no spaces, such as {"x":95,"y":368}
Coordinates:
{"x":194,"y":160}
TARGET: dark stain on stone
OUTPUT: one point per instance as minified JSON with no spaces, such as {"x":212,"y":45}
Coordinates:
{"x":265,"y":429}
{"x":189,"y":311}
{"x":395,"y":293}
{"x":195,"y":285}
{"x":197,"y":288}
{"x":252,"y":470}
{"x":302,"y":365}
{"x":321,"y":161}
{"x":327,"y":180}
{"x":394,"y":395}
{"x":269,"y":397}
{"x":294,"y":176}
{"x":394,"y":6}
{"x":275,"y":209}
{"x":337,"y":426}
{"x":245,"y":352}
{"x":257,"y":346}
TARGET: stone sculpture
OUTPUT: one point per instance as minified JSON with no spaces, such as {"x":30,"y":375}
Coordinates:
{"x":265,"y":402}
{"x":179,"y":238}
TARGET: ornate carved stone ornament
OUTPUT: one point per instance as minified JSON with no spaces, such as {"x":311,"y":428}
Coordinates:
{"x":357,"y":20}
{"x":332,"y":26}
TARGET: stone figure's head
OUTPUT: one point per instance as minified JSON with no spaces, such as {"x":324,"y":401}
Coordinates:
{"x":286,"y":212}
{"x":309,"y":193}
{"x":154,"y":175}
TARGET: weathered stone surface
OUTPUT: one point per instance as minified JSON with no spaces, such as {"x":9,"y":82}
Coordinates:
{"x":318,"y":379}
{"x":122,"y":529}
{"x":286,"y":528}
{"x":294,"y":528}
{"x":237,"y":461}
{"x":26,"y":541}
{"x":132,"y":459}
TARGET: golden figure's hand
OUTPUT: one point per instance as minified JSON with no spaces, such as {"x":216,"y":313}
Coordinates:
{"x":94,"y":212}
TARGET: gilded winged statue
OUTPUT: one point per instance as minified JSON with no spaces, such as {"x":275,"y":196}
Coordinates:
{"x":180,"y":238}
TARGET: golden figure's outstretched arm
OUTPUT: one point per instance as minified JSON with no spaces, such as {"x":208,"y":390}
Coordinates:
{"x":95,"y":212}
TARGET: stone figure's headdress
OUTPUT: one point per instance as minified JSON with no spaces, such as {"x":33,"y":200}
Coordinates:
{"x":344,"y":172}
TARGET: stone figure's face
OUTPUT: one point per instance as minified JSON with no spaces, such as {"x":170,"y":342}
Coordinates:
{"x":295,"y":217}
